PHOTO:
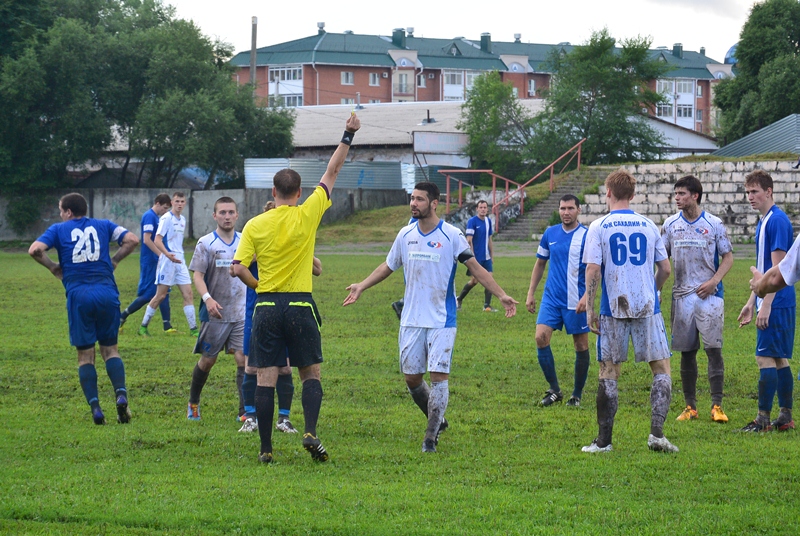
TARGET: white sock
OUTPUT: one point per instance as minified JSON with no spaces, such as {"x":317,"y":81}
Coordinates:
{"x":437,"y":405}
{"x":188,"y":310}
{"x":148,"y":315}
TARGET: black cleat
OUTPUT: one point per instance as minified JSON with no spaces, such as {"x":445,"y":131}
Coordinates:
{"x":398,"y":308}
{"x":442,"y":428}
{"x":429,"y":445}
{"x":123,"y":413}
{"x":265,"y":457}
{"x":551,"y":397}
{"x":97,"y":416}
{"x":315,"y":448}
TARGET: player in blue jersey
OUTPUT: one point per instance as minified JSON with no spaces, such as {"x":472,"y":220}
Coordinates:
{"x":701,"y":256}
{"x":479,"y":237}
{"x":86,"y":269}
{"x":624,"y":248}
{"x":775,"y":313}
{"x":171,"y":269}
{"x":562,"y":245}
{"x":148,"y":260}
{"x":429,"y":251}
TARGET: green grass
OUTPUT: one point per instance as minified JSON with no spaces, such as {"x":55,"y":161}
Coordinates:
{"x":505,"y":466}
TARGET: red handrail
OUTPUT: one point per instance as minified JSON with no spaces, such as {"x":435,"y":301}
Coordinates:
{"x":448,"y":178}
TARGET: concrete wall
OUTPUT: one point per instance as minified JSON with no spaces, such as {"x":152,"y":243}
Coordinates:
{"x":126,"y":206}
{"x":723,"y":193}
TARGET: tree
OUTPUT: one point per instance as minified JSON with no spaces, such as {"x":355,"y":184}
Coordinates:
{"x":598,"y":92}
{"x":497,"y":125}
{"x":765,"y":88}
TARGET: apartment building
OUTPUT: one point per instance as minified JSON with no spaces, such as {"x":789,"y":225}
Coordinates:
{"x":348,"y":68}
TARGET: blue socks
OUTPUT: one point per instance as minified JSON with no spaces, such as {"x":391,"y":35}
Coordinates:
{"x":785,"y":387}
{"x":88,"y":378}
{"x":548,"y":365}
{"x":249,"y":393}
{"x":116,"y":373}
{"x":285,"y":389}
{"x":767,"y":386}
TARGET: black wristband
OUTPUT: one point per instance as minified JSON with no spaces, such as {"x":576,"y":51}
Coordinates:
{"x":347,"y":137}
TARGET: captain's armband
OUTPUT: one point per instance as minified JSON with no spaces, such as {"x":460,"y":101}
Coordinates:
{"x":465,"y":255}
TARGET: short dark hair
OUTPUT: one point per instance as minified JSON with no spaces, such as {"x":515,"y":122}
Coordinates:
{"x":179,"y":194}
{"x":429,"y":188}
{"x":692,"y":184}
{"x":566,"y":198}
{"x":759,"y":177}
{"x":76,"y":203}
{"x":287,"y":182}
{"x":482,"y":202}
{"x":162,"y":199}
{"x":224,"y":199}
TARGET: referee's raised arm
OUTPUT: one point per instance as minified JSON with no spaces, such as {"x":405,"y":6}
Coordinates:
{"x":337,"y":160}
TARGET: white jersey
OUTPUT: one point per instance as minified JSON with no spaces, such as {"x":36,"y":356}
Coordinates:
{"x":790,"y":265}
{"x":626,"y":246}
{"x":695,"y":248}
{"x":429,"y":265}
{"x":212,"y":257}
{"x":172,"y":228}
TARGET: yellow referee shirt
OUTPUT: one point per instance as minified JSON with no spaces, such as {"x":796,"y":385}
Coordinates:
{"x":283,"y":243}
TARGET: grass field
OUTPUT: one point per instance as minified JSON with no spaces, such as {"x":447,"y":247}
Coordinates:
{"x":505,"y":466}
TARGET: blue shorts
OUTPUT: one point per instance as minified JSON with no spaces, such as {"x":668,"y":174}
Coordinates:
{"x":93,"y":314}
{"x":147,"y":281}
{"x":487,"y":265}
{"x":556,"y":317}
{"x":778,"y":339}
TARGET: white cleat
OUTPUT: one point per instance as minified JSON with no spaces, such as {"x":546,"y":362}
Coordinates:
{"x":250,"y":425}
{"x":594,"y":448}
{"x":660,"y":444}
{"x":286,"y":427}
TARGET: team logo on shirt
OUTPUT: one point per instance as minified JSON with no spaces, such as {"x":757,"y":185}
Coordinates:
{"x":701,"y":230}
{"x":435,"y":245}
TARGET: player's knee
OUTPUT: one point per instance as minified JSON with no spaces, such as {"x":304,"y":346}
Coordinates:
{"x":543,"y":339}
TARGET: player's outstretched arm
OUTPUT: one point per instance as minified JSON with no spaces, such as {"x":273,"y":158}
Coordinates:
{"x":772,"y":281}
{"x":337,"y":160}
{"x":536,"y":278}
{"x":378,"y":274}
{"x":129,"y":243}
{"x":38,"y":252}
{"x":240,"y":271}
{"x":487,"y":280}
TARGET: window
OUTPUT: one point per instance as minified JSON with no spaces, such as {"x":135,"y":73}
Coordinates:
{"x":374,"y":101}
{"x":454,"y":78}
{"x":281,"y":74}
{"x":664,"y":110}
{"x":685,"y":110}
{"x":374,"y":79}
{"x":421,"y":80}
{"x":471,"y":76}
{"x":699,"y":115}
{"x":699,"y":90}
{"x":531,"y":88}
{"x":347,"y":78}
{"x":685,"y":86}
{"x":292,"y":101}
{"x":402,"y":84}
{"x":515,"y":91}
{"x":664,"y":86}
{"x":348,"y":101}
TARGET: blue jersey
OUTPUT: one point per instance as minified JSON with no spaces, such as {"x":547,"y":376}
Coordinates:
{"x":82,"y":246}
{"x":774,"y":233}
{"x":149,"y":226}
{"x":566,"y":276}
{"x":480,"y":231}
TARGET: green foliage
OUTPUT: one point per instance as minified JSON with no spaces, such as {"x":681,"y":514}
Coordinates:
{"x":22,"y":211}
{"x":598,"y":93}
{"x":767,"y":83}
{"x":505,"y":466}
{"x":497,"y":125}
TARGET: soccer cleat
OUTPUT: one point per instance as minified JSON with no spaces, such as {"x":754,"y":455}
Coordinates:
{"x":123,"y":413}
{"x":315,"y":448}
{"x":489,"y":310}
{"x":551,"y":397}
{"x":756,"y":426}
{"x":97,"y":416}
{"x":398,"y":308}
{"x":170,"y":330}
{"x":285,"y":425}
{"x":458,"y":304}
{"x":660,"y":444}
{"x":717,"y":415}
{"x":688,"y":414}
{"x":193,"y":412}
{"x":264,"y":457}
{"x":143,"y":331}
{"x":250,"y":425}
{"x":595,"y":448}
{"x":429,"y":445}
{"x":782,"y":426}
{"x":442,"y":427}
{"x":574,"y":401}
{"x":194,"y":332}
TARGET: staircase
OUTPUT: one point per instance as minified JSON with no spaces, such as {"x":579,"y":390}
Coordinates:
{"x":537,"y":219}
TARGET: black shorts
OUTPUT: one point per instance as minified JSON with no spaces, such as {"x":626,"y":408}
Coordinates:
{"x":285,"y":323}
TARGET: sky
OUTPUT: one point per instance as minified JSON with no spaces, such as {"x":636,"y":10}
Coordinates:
{"x":713,"y":24}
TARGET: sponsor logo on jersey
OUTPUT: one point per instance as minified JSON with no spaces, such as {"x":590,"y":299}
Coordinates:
{"x":701,"y":230}
{"x":435,"y":245}
{"x":412,"y":242}
{"x":422,"y":256}
{"x":224,"y":263}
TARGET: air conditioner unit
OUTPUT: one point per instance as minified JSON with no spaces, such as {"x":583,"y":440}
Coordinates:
{"x":431,"y":76}
{"x":385,"y":75}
